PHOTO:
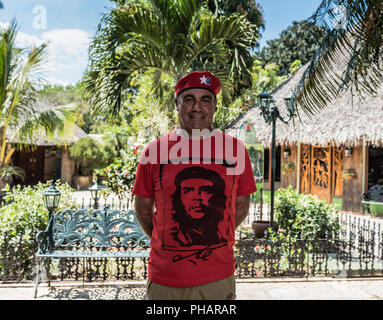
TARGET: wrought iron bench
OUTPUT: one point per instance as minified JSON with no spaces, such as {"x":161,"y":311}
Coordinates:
{"x":374,"y":197}
{"x":97,"y":233}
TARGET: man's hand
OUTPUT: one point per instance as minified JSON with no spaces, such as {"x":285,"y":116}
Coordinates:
{"x":242,"y":205}
{"x":144,"y":208}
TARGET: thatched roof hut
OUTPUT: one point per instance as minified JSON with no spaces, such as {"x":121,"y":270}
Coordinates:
{"x":71,"y":135}
{"x":348,"y":120}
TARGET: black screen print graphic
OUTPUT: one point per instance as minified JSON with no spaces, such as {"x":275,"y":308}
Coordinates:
{"x":199,"y":203}
{"x":197,"y":224}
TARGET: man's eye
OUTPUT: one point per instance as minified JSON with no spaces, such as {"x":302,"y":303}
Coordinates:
{"x":187,"y":189}
{"x":206,"y":189}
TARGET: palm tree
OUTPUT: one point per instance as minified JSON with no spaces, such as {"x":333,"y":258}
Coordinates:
{"x":350,"y":56}
{"x":21,"y":116}
{"x":170,"y":37}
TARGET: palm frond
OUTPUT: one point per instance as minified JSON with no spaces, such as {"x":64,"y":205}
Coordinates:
{"x":49,"y":123}
{"x":168,"y":37}
{"x":237,"y":32}
{"x":348,"y":58}
{"x":7,"y":57}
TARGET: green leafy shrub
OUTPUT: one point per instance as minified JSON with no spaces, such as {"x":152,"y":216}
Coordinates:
{"x":304,"y":215}
{"x":24,"y":213}
{"x":120,"y":175}
{"x":90,"y":155}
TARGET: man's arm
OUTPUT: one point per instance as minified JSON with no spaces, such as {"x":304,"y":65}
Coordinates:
{"x":144,"y":208}
{"x":242,"y":205}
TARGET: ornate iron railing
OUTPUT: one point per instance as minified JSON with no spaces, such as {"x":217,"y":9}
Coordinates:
{"x":356,"y":251}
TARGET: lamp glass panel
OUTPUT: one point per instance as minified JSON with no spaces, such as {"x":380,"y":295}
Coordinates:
{"x":50,"y":201}
{"x":56,"y":201}
{"x":94,"y":194}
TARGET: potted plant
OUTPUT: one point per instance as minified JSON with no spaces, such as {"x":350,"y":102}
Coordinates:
{"x":288,"y":167}
{"x":348,"y":174}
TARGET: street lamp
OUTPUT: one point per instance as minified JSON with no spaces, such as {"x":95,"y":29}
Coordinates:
{"x":51,"y":198}
{"x":270,"y":113}
{"x":95,"y":191}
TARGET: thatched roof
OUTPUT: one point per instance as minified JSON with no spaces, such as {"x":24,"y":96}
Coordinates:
{"x":347,"y":120}
{"x":72,"y":134}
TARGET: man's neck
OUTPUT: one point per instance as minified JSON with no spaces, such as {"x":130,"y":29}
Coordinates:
{"x":197,"y":134}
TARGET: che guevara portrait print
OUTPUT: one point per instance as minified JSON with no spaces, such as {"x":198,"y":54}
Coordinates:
{"x":195,"y":211}
{"x":198,"y":205}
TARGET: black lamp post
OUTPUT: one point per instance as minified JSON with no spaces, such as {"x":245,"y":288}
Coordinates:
{"x":51,"y":198}
{"x":270,"y":113}
{"x":95,"y":191}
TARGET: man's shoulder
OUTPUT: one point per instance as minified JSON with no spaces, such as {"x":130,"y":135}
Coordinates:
{"x":163,"y":138}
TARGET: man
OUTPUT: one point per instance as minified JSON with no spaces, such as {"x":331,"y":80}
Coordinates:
{"x":192,"y":190}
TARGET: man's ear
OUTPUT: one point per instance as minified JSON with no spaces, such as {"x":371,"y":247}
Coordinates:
{"x":176,"y":103}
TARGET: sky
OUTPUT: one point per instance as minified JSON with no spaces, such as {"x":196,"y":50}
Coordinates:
{"x":69,"y":26}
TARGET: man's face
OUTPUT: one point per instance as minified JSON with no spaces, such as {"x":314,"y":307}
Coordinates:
{"x":195,"y":196}
{"x":196,"y":109}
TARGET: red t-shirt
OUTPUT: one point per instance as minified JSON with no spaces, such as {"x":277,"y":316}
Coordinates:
{"x":194,"y":184}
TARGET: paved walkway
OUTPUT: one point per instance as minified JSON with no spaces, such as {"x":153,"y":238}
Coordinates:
{"x":263,"y":289}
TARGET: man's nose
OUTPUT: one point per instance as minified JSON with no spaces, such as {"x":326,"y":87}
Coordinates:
{"x":197,"y":106}
{"x":196,"y":195}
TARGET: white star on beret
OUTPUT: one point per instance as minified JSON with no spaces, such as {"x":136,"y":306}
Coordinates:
{"x":205,"y":80}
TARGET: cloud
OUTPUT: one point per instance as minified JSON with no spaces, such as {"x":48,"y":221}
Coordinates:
{"x":66,"y":53}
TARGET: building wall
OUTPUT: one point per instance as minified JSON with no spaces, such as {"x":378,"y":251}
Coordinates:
{"x":352,"y":188}
{"x":52,"y":164}
{"x":68,"y":167}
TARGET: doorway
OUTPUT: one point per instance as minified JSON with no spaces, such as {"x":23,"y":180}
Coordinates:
{"x":321,"y":171}
{"x":375,"y":166}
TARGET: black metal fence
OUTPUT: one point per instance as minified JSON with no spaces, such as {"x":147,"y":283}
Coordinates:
{"x":355,"y":251}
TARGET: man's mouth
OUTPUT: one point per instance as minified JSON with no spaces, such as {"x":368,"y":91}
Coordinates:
{"x":196,"y":116}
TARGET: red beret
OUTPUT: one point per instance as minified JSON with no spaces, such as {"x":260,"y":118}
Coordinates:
{"x":196,"y":79}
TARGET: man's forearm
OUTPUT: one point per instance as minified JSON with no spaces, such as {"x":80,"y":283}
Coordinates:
{"x":242,"y":205}
{"x":144,"y":209}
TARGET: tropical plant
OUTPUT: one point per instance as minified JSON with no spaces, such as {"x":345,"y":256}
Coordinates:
{"x":298,"y":41}
{"x":349,"y":57}
{"x":9,"y":173}
{"x":121,"y":174}
{"x":24,"y":212}
{"x":142,"y":113}
{"x":22,"y":118}
{"x":287,"y":167}
{"x":264,"y":79}
{"x":169,"y":37}
{"x":90,"y":155}
{"x":304,"y":215}
{"x":59,"y":95}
